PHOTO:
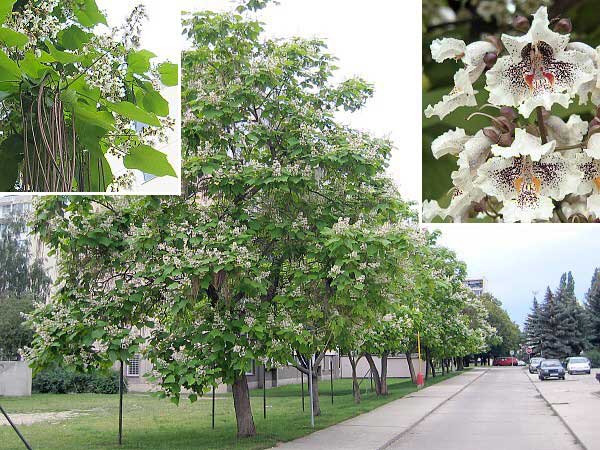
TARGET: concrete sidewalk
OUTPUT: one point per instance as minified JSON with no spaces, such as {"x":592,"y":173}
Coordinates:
{"x":577,"y":402}
{"x":377,"y":428}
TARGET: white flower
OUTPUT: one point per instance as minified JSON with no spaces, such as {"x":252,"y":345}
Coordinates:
{"x":525,"y":144}
{"x":473,"y":59}
{"x":451,"y":142}
{"x":590,"y":168}
{"x":475,"y":152}
{"x":431,"y":210}
{"x":593,"y":146}
{"x":527,"y":187}
{"x":593,"y":204}
{"x":539,"y":70}
{"x":447,"y":48}
{"x":569,"y":133}
{"x":462,"y":95}
{"x":593,"y":85}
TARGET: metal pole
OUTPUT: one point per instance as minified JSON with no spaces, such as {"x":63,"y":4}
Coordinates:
{"x":121,"y":403}
{"x":14,"y":427}
{"x":302,"y":380}
{"x":331,"y":377}
{"x":310,"y":388}
{"x":213,"y":407}
{"x":264,"y":392}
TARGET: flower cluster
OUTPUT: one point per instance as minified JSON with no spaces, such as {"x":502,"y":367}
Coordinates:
{"x":518,"y":169}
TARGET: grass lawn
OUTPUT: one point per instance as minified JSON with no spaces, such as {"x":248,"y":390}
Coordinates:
{"x":150,"y":423}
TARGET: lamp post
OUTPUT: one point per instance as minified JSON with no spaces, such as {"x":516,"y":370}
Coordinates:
{"x":310,"y":388}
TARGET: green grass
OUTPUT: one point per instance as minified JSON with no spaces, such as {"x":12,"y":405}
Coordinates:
{"x":152,"y":424}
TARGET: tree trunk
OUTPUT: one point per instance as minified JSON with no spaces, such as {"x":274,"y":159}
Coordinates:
{"x":355,"y":386}
{"x":375,"y":373}
{"x":432,"y":368}
{"x":427,"y":363}
{"x":315,"y":391}
{"x":384,"y":366}
{"x":411,"y":367}
{"x":243,"y":409}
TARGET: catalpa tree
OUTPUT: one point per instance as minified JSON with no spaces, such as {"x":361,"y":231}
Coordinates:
{"x":70,"y":94}
{"x":201,"y":284}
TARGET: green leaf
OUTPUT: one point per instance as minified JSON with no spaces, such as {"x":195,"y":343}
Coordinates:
{"x":33,"y":68}
{"x":87,"y":13}
{"x":59,"y":56}
{"x":9,"y":70}
{"x":73,"y":37}
{"x":154,"y":102}
{"x":13,"y":38}
{"x":133,"y":112}
{"x":139,"y":62}
{"x":149,"y":160}
{"x":100,"y":173}
{"x":11,"y":155}
{"x":6,"y":7}
{"x":169,"y":379}
{"x":169,"y":74}
{"x":89,"y":114}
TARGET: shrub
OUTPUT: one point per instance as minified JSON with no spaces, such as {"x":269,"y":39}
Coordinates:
{"x":62,"y":381}
{"x":594,"y":356}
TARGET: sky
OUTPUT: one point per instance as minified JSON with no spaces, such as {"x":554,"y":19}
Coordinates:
{"x":380,"y":41}
{"x":520,"y":259}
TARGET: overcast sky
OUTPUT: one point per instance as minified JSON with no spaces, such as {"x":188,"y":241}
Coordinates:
{"x":518,"y":259}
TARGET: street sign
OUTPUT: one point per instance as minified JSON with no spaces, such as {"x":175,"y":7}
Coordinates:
{"x":512,"y":353}
{"x":529,"y":350}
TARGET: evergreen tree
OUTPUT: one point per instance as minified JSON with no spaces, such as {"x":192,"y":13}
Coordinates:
{"x":572,"y":318}
{"x":551,"y":345}
{"x":532,"y":330}
{"x":593,"y":309}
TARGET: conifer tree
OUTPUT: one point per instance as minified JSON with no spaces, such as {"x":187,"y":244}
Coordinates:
{"x":532,"y":327}
{"x":593,"y":310}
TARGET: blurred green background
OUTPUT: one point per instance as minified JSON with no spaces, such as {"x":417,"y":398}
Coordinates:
{"x":471,"y":20}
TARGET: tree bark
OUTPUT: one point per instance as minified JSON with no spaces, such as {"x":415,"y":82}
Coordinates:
{"x":375,"y":373}
{"x":243,"y":409}
{"x":411,"y":367}
{"x":427,"y":363}
{"x":355,"y":386}
{"x":315,"y":391}
{"x":384,"y":367}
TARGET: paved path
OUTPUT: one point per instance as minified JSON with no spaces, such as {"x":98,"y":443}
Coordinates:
{"x":577,"y":401}
{"x":495,"y":409}
{"x":372,"y":430}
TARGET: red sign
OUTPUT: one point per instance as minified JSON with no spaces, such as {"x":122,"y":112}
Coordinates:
{"x":529,"y":350}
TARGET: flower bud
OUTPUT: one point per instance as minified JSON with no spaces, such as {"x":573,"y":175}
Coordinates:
{"x":496,"y":42}
{"x":490,"y":59}
{"x":503,"y":124}
{"x":509,"y":113}
{"x":521,"y":23}
{"x":533,"y":130}
{"x":506,"y":140}
{"x":491,"y":134}
{"x":563,"y":26}
{"x":594,"y":122}
{"x":594,"y":129}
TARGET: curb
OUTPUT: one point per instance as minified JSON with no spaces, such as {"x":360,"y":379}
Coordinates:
{"x":567,"y":426}
{"x":418,"y":421}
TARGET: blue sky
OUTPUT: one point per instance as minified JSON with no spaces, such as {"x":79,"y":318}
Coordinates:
{"x":518,"y":259}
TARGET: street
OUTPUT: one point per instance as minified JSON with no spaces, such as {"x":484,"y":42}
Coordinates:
{"x":500,"y":410}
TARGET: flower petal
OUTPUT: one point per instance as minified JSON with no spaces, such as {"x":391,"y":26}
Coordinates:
{"x":593,"y":146}
{"x":462,"y":95}
{"x":525,"y":144}
{"x":451,"y":142}
{"x":447,"y":48}
{"x":539,"y":209}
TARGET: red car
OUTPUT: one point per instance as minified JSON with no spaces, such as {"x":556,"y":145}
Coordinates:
{"x":505,"y":361}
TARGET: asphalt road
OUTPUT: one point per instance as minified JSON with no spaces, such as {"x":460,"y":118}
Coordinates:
{"x":500,"y":410}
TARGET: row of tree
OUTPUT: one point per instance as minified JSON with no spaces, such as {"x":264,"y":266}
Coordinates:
{"x":561,"y":326}
{"x":23,"y":281}
{"x":289,"y":239}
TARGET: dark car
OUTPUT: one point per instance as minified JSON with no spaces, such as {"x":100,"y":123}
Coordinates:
{"x":551,"y":368}
{"x":534,"y":363}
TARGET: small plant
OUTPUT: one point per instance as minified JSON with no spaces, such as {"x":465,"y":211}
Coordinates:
{"x":528,"y":164}
{"x":59,"y":380}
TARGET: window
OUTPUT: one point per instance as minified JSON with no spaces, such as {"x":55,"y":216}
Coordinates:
{"x":133,"y":366}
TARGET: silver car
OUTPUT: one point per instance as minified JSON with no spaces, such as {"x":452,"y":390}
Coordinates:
{"x":578,"y":364}
{"x":534,"y":364}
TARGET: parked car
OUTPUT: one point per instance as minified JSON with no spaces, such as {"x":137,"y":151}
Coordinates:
{"x":598,"y":377}
{"x":550,"y":368}
{"x":534,"y":364}
{"x":521,"y":363}
{"x":578,"y":364}
{"x":505,"y":361}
